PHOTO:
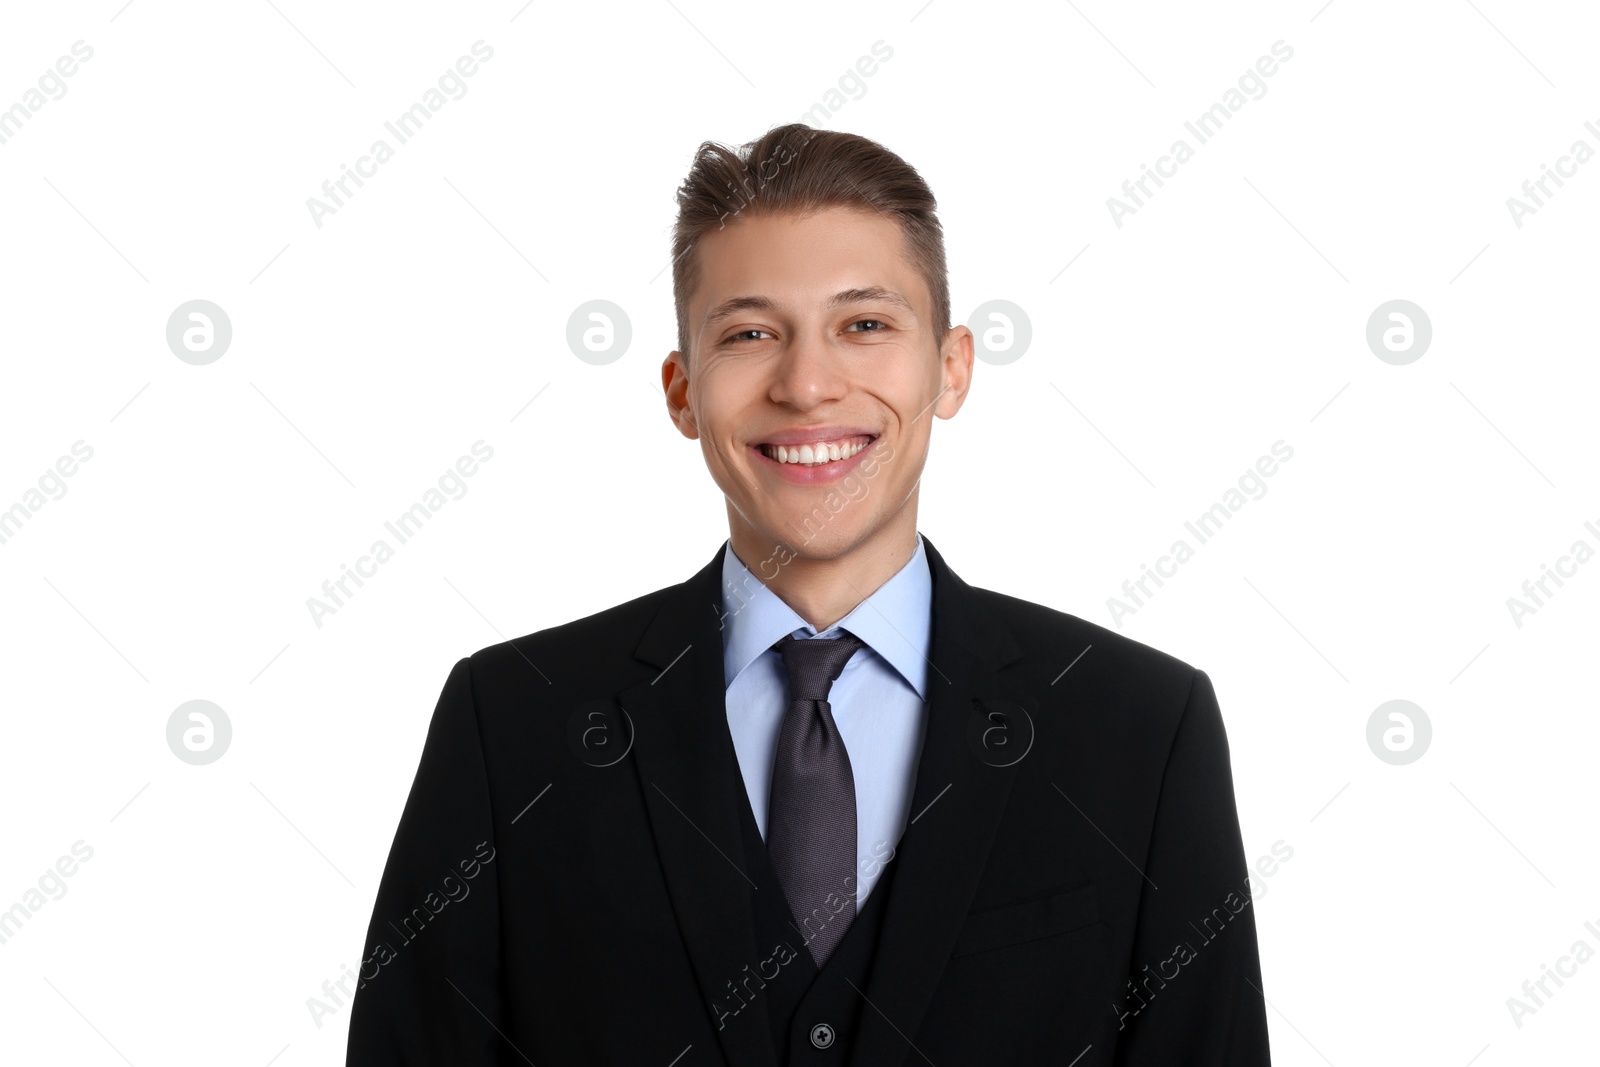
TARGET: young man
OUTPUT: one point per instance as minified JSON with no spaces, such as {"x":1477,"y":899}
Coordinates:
{"x":823,"y":802}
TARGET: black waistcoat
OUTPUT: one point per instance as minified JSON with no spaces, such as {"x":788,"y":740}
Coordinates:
{"x":814,"y":1014}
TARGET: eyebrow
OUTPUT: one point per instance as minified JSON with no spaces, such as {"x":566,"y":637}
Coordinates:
{"x":863,"y":295}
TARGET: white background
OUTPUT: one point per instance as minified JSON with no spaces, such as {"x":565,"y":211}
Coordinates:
{"x":369,"y":353}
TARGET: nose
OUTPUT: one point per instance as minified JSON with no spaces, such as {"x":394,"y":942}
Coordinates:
{"x":809,"y":371}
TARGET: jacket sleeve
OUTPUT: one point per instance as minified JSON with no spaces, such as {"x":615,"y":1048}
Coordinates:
{"x":1194,"y":995}
{"x":429,"y":989}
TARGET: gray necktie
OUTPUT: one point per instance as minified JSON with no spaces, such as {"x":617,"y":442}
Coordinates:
{"x":811,"y":821}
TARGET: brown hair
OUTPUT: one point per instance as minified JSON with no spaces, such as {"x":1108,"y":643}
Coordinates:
{"x":795,"y":168}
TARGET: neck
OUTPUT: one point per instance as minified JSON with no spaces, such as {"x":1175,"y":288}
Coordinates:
{"x":823,"y":590}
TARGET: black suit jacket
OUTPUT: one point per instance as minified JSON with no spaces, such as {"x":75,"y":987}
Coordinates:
{"x":568,"y":884}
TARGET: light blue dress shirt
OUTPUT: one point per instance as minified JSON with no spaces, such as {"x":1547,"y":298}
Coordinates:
{"x":878,"y":701}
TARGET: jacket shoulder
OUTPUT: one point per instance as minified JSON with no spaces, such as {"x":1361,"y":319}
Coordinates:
{"x":1052,"y":638}
{"x":593,"y":642}
{"x":1109,"y":693}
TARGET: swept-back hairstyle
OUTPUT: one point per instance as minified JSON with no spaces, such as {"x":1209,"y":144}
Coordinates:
{"x":795,"y":168}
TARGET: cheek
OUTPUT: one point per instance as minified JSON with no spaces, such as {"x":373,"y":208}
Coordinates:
{"x":721,"y":398}
{"x":723,"y":453}
{"x":913,"y":398}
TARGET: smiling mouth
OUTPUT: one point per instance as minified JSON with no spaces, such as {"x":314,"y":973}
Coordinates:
{"x":818,"y":453}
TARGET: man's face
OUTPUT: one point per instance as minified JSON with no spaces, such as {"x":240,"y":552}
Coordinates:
{"x":814,"y":335}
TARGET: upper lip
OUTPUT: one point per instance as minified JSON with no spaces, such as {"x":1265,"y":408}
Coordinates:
{"x":813,"y":434}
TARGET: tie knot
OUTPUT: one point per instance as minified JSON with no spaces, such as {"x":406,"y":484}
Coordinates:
{"x":815,"y":662}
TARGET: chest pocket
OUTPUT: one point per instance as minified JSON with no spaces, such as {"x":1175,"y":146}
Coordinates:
{"x":1029,"y":920}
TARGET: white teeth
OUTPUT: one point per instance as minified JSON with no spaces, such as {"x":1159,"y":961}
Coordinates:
{"x":812,"y":455}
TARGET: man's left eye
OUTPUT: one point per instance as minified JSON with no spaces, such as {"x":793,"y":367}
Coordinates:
{"x":873,"y":322}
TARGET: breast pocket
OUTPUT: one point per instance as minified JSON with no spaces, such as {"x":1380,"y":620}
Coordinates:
{"x":1029,"y":920}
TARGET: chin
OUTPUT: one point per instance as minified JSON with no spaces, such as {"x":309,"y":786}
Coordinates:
{"x":819,"y":544}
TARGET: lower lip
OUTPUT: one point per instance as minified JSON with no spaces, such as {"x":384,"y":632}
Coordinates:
{"x":808,"y":474}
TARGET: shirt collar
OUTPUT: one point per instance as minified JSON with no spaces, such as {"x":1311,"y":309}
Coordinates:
{"x":895,"y":621}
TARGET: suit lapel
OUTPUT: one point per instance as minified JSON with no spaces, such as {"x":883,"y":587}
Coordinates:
{"x":960,"y":793}
{"x":689,"y":774}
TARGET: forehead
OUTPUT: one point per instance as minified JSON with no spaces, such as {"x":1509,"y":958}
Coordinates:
{"x":792,"y":257}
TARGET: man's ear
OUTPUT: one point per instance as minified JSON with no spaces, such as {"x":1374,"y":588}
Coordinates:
{"x":955,"y":371}
{"x":675,"y":384}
